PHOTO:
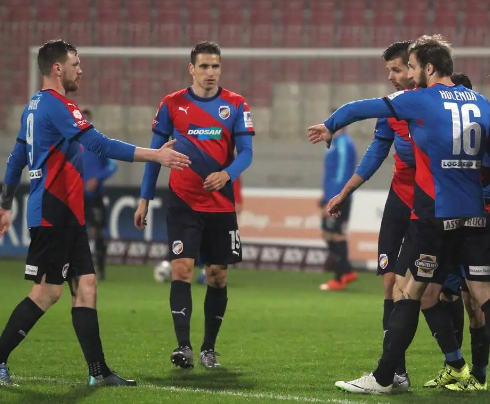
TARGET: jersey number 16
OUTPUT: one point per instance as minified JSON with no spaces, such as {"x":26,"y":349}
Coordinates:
{"x":463,"y":127}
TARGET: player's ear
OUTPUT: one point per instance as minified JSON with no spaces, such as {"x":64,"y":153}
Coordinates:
{"x":429,"y":68}
{"x":57,"y":69}
{"x":191,"y":69}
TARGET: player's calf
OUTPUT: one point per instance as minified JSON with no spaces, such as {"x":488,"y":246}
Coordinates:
{"x":215,"y":304}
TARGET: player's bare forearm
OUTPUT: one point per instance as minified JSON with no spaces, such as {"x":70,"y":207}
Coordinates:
{"x":355,"y":182}
{"x":142,"y":154}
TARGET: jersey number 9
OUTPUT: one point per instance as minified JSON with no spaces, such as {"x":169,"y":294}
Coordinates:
{"x":30,"y":136}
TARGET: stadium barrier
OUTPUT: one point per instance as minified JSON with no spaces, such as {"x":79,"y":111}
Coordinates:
{"x":280,"y":229}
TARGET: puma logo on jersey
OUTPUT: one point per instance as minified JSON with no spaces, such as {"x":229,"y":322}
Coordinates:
{"x":183,"y":109}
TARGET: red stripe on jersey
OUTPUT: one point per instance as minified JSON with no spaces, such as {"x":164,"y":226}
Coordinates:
{"x":65,"y":183}
{"x":423,"y":174}
{"x":403,"y":181}
{"x":74,"y":110}
{"x":45,"y":223}
{"x":400,"y":127}
{"x":197,"y":197}
{"x":237,"y":190}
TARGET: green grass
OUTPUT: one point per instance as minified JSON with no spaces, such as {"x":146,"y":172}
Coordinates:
{"x":281,"y":337}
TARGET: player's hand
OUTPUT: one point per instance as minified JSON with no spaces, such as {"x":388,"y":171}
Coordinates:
{"x":216,"y":181}
{"x":168,"y":157}
{"x":140,"y":214}
{"x":92,"y":184}
{"x":334,"y":205}
{"x":319,"y":133}
{"x":238,"y":208}
{"x":5,"y":221}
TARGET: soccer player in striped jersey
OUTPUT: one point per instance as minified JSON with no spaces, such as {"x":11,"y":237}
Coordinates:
{"x":449,"y":125}
{"x":52,"y":133}
{"x":208,"y":122}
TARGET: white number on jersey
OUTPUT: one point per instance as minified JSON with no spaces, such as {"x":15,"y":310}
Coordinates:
{"x":235,"y":240}
{"x":463,"y":127}
{"x":30,"y":136}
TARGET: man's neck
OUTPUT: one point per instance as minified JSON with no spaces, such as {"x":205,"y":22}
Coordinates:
{"x":50,"y":84}
{"x":446,"y":81}
{"x":203,"y":93}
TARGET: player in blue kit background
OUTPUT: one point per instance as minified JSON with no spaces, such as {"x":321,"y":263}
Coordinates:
{"x":97,"y":170}
{"x":449,"y":125}
{"x":49,"y":142}
{"x":208,"y":122}
{"x":339,"y":164}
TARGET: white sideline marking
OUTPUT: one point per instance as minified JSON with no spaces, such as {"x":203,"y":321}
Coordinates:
{"x":270,"y":396}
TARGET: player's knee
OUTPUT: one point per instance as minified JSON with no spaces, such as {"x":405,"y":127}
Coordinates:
{"x":216,"y":275}
{"x":182,"y":270}
{"x":338,"y":237}
{"x":327,"y":235}
{"x":45,"y":295}
{"x":85,"y":293}
{"x":429,"y":298}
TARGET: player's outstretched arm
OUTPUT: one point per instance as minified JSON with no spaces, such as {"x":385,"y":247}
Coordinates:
{"x":103,"y":146}
{"x":349,"y":113}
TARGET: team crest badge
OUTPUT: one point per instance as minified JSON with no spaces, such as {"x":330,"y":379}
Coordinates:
{"x":224,"y":112}
{"x":177,"y":247}
{"x":64,"y":271}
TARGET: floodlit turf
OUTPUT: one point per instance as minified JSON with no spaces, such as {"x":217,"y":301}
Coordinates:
{"x":282,"y":341}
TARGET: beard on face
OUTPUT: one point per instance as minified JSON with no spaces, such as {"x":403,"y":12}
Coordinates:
{"x":422,"y":83}
{"x":69,"y":85}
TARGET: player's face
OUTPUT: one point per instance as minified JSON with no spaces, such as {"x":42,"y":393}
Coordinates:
{"x":207,"y":71}
{"x":71,"y":73}
{"x":416,"y":72}
{"x":398,"y":74}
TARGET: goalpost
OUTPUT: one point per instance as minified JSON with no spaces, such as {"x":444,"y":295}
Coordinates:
{"x":234,"y":53}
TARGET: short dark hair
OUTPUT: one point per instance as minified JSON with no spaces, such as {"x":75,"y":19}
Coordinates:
{"x":397,"y":50}
{"x":461,"y":78}
{"x":435,"y":50}
{"x":53,"y":51}
{"x":208,"y":47}
{"x":87,"y":113}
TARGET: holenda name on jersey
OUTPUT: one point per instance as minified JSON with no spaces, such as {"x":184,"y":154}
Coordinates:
{"x":458,"y":95}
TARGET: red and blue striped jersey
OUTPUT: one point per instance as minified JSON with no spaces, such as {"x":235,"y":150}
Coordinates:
{"x":50,"y":127}
{"x":449,"y":127}
{"x":205,"y":130}
{"x":404,"y":177}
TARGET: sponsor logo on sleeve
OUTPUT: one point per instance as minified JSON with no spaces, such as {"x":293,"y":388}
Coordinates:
{"x":247,"y":119}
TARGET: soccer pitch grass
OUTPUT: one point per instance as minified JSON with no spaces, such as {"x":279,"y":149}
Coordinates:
{"x":282,"y":341}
